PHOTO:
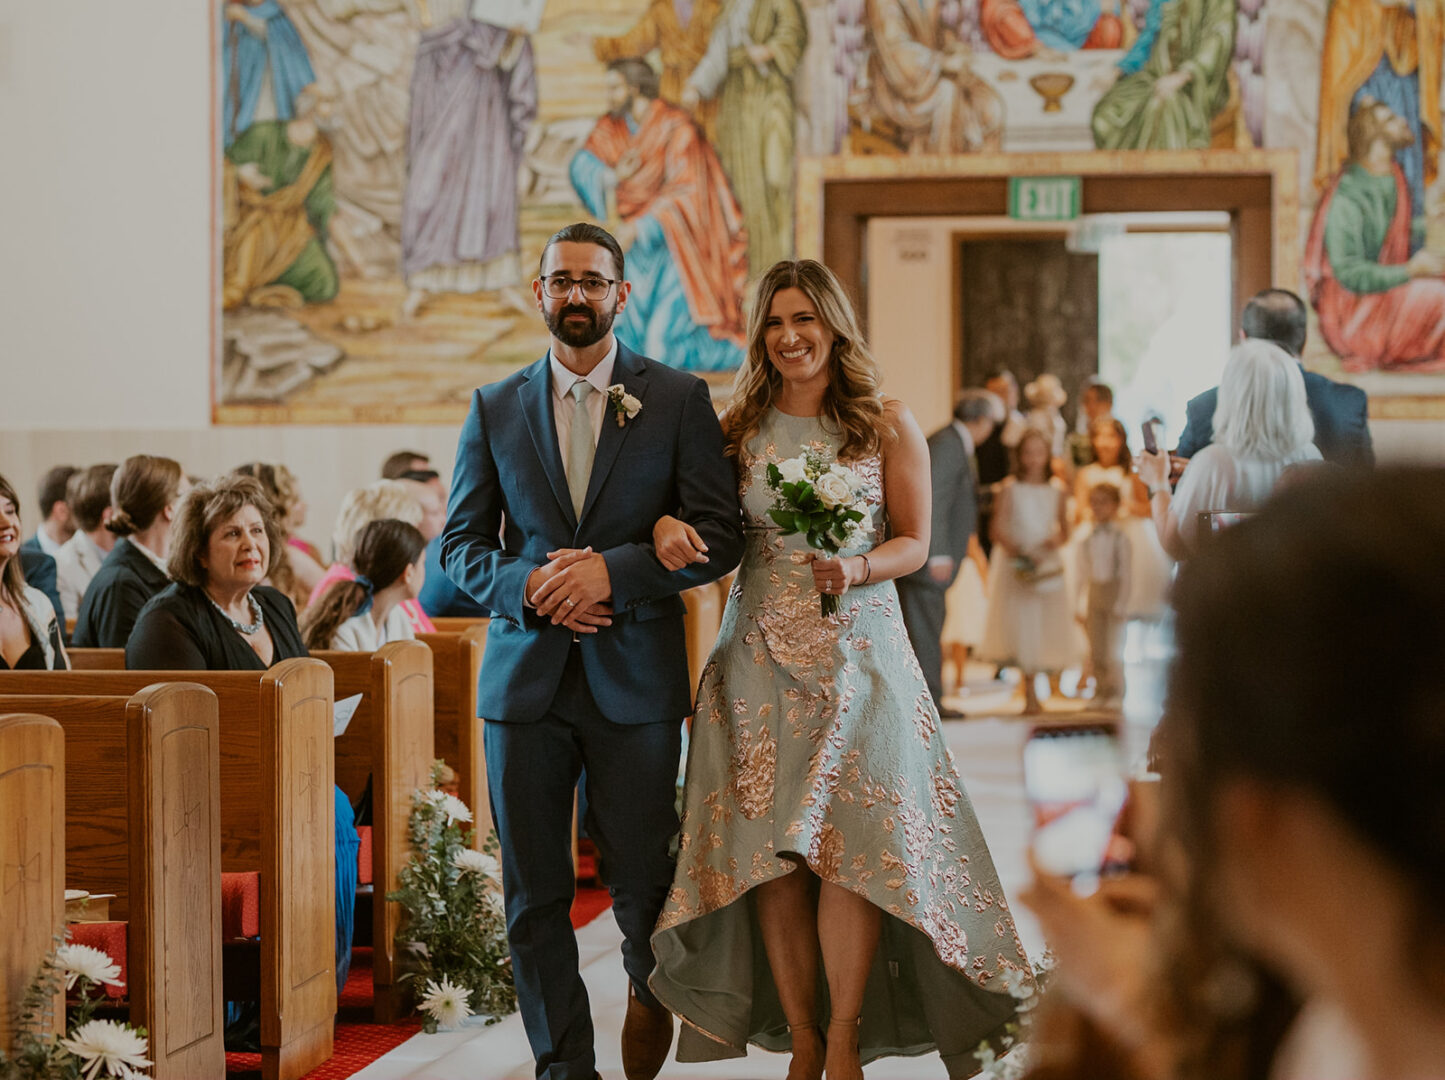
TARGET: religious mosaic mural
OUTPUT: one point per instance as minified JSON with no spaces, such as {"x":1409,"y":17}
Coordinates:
{"x":389,"y":169}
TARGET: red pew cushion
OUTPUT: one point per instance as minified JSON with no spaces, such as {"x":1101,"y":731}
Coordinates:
{"x":109,"y":938}
{"x":363,"y":855}
{"x":240,"y":905}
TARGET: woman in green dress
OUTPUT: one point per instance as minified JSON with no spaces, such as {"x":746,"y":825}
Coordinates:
{"x":823,"y":815}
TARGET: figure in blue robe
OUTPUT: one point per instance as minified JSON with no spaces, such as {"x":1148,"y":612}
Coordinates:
{"x":261,"y":51}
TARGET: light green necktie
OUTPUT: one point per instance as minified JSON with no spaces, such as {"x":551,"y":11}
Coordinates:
{"x":582,"y":446}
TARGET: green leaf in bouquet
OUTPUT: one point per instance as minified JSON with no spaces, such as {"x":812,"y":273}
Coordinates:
{"x":800,"y":522}
{"x":783,"y":519}
{"x":775,"y":476}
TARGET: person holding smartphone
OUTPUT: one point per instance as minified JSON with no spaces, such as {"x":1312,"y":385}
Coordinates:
{"x":1261,"y":427}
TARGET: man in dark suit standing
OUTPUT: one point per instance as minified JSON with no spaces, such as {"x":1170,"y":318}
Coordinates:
{"x":955,"y":521}
{"x":1340,"y":411}
{"x":562,"y":470}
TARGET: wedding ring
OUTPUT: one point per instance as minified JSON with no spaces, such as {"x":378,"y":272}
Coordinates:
{"x":571,"y":603}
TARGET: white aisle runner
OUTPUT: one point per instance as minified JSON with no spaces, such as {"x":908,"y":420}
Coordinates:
{"x":988,"y":756}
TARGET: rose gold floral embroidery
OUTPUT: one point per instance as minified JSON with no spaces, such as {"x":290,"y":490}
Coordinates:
{"x":826,"y":852}
{"x":754,"y":769}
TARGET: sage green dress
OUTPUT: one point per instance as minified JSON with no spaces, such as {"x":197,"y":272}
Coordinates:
{"x":817,"y":740}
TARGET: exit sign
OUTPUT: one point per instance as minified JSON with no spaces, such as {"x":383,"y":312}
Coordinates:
{"x":1044,"y":198}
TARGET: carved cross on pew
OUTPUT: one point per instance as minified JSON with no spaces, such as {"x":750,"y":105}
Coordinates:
{"x":192,"y":804}
{"x":25,"y":872}
{"x":308,"y":785}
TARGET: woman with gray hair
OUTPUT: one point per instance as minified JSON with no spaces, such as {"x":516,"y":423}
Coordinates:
{"x":1262,"y":426}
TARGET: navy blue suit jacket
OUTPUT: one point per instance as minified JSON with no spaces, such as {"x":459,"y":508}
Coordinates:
{"x":510,"y":506}
{"x":40,"y":573}
{"x":440,"y":598}
{"x":1340,"y":413}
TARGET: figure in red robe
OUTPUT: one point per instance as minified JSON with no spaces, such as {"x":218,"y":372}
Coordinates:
{"x":648,"y":166}
{"x":1017,"y":29}
{"x":1380,"y":308}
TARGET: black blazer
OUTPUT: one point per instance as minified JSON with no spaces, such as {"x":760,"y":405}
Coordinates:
{"x":180,"y":630}
{"x":126,"y":580}
{"x":1340,"y":413}
{"x":955,"y":502}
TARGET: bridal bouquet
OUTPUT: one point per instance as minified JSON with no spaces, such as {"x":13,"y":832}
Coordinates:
{"x":821,"y":499}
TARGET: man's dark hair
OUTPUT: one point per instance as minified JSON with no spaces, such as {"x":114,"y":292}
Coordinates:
{"x":1277,"y":315}
{"x":1000,"y":373}
{"x":400,"y":462}
{"x":420,"y":476}
{"x":88,"y":494}
{"x":584,"y":232}
{"x":52,"y":488}
{"x":1101,"y":390}
{"x":975,"y":405}
{"x":639,"y":76}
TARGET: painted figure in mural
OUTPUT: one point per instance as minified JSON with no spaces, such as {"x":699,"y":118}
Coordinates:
{"x":646,"y":170}
{"x":1016,"y":29}
{"x":264,"y":66}
{"x":749,"y":68}
{"x":920,"y":80}
{"x":473,"y":99}
{"x":1379,"y":306}
{"x":1389,"y":51}
{"x":680,"y":31}
{"x":1170,"y":102}
{"x":277,"y":205}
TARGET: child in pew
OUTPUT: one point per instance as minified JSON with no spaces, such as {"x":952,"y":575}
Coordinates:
{"x":365,"y":614}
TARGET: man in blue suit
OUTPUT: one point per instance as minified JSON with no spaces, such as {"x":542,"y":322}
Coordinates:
{"x":559,"y":479}
{"x":1340,"y":411}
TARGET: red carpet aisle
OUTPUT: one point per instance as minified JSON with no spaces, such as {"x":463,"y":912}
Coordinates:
{"x":359,"y":1041}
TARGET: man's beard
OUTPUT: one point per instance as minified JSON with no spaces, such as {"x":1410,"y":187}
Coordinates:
{"x":579,"y":335}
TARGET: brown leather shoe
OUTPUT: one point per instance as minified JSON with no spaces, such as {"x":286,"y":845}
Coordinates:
{"x":646,"y":1038}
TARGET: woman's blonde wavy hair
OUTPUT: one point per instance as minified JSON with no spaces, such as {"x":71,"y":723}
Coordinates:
{"x":852,"y":404}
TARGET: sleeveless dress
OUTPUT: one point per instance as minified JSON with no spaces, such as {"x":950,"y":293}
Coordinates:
{"x":1030,"y":624}
{"x":817,"y":740}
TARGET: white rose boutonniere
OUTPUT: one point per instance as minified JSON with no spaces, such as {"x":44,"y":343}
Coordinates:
{"x":624,"y":406}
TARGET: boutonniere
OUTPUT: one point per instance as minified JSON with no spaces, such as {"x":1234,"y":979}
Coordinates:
{"x":624,"y":406}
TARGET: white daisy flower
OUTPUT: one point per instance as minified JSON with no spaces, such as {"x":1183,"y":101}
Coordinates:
{"x":118,"y":1049}
{"x":446,"y":1003}
{"x":83,"y":962}
{"x":454,"y":809}
{"x":469,"y":861}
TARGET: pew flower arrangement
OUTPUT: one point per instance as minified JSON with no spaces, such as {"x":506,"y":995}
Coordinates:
{"x":90,"y":1049}
{"x":455,"y":932}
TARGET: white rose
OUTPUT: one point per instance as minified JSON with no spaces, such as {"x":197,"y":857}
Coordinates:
{"x":853,"y":480}
{"x":793,"y":470}
{"x":833,"y":490}
{"x":631,"y":406}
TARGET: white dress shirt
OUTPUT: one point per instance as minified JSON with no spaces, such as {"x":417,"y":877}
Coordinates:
{"x":77,"y":562}
{"x":1105,"y":557}
{"x":47,"y":545}
{"x":151,"y":555}
{"x":564,"y":405}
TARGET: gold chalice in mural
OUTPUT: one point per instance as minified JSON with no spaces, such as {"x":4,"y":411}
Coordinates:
{"x":1052,"y":86}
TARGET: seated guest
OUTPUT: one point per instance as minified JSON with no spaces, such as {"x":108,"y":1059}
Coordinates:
{"x":30,"y":632}
{"x":431,"y":495}
{"x":404,"y":461}
{"x":56,"y":526}
{"x":39,"y":570}
{"x":1301,"y":754}
{"x":1261,"y":427}
{"x":143,"y":497}
{"x":217,"y":616}
{"x":88,"y":496}
{"x":301,"y":567}
{"x":361,"y":506}
{"x":365,"y":613}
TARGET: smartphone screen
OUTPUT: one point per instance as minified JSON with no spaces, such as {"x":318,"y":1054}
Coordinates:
{"x":1151,"y":436}
{"x":1074,"y":780}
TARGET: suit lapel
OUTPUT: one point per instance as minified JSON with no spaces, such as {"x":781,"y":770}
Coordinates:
{"x":626,"y":371}
{"x":535,"y":397}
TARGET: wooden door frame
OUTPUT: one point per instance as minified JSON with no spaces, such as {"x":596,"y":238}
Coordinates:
{"x":1259,"y":189}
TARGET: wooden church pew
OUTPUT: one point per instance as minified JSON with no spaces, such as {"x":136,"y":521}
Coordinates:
{"x":277,"y":818}
{"x":390,"y":739}
{"x":96,"y":659}
{"x":456,"y":624}
{"x":457,"y":660}
{"x":32,"y":855}
{"x":142,"y":821}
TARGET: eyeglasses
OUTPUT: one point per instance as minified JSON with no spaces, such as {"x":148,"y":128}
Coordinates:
{"x":560,"y":286}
